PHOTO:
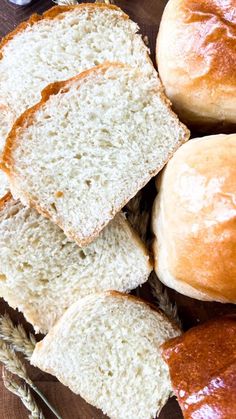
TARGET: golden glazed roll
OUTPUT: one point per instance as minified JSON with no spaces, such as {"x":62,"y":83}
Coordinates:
{"x":194,"y":220}
{"x":196,"y":58}
{"x":202,"y":365}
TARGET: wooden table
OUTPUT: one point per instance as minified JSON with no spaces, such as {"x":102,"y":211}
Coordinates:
{"x":147,"y":14}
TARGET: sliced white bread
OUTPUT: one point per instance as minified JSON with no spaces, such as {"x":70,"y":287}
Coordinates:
{"x":90,"y":144}
{"x":61,"y":43}
{"x":42,"y":273}
{"x":106,"y":348}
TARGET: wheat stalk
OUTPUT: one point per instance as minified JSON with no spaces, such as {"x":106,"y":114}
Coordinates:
{"x":13,"y":364}
{"x":160,"y":294}
{"x":138,"y":217}
{"x":24,"y":393}
{"x":16,"y":336}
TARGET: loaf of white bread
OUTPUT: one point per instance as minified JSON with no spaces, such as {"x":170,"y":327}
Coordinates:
{"x":106,"y":347}
{"x":42,"y":273}
{"x":92,"y":142}
{"x":194,"y":220}
{"x":196,"y":56}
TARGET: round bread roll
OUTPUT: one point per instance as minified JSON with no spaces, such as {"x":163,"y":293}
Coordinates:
{"x":194,"y":220}
{"x":202,"y":365}
{"x":196,"y":58}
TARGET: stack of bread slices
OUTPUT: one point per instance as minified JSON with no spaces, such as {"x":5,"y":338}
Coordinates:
{"x":84,"y":126}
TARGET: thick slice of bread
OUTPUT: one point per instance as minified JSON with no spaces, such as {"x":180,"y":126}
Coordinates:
{"x":90,"y":144}
{"x":58,"y":45}
{"x":42,"y":273}
{"x":106,"y":348}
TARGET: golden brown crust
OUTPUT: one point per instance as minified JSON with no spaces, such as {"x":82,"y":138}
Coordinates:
{"x":27,"y":118}
{"x":202,"y":364}
{"x":5,"y":199}
{"x":196,"y":243}
{"x":196,"y":61}
{"x":55,"y":13}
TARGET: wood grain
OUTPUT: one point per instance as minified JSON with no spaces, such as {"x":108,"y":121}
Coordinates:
{"x":147,"y":14}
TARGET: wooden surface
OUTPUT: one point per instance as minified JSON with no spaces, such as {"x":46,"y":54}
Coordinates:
{"x":147,"y":13}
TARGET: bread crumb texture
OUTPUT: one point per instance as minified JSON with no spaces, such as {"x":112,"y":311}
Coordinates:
{"x":107,"y":349}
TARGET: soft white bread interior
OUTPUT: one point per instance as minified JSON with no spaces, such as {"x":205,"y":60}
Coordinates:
{"x":196,"y":56}
{"x":90,"y":144}
{"x":58,"y":45}
{"x":42,"y":272}
{"x":194,"y":220}
{"x":106,"y":348}
{"x":4,"y":185}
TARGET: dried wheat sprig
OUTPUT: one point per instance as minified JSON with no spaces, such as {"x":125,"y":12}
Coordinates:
{"x":13,"y":364}
{"x":146,"y":40}
{"x":24,"y":393}
{"x":138,"y":218}
{"x":16,"y":336}
{"x":160,"y":294}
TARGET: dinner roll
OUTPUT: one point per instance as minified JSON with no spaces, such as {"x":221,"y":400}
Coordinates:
{"x":194,"y":220}
{"x":196,"y":57}
{"x":202,"y":364}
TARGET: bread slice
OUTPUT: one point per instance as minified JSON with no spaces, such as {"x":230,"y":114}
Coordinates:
{"x":90,"y":144}
{"x":42,"y":273}
{"x":61,"y":43}
{"x":106,"y":348}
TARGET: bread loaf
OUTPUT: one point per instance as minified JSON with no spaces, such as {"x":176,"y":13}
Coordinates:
{"x":194,"y":220}
{"x":202,"y":365}
{"x":106,"y":348}
{"x":196,"y":57}
{"x":42,"y":272}
{"x":90,"y":144}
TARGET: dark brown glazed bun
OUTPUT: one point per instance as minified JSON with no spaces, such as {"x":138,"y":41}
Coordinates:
{"x":202,"y":364}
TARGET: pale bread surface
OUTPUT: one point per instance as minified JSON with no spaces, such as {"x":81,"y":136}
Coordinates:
{"x":42,"y":273}
{"x":106,"y":348}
